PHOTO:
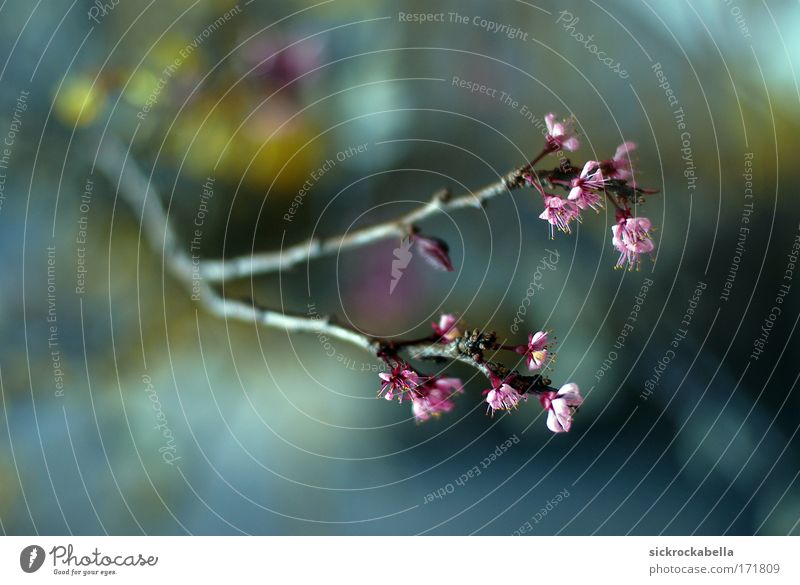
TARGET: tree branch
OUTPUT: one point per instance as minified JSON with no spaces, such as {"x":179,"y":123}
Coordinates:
{"x":219,"y":270}
{"x":267,"y":262}
{"x":135,"y":188}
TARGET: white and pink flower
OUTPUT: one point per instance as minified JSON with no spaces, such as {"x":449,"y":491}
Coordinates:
{"x":559,"y":213}
{"x":561,"y":406}
{"x":502,"y":397}
{"x":536,"y":351}
{"x":560,"y":134}
{"x":584,"y":189}
{"x":631,"y":237}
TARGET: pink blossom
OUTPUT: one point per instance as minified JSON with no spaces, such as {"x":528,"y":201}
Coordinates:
{"x":631,"y":237}
{"x":585,"y":187}
{"x":434,"y":251}
{"x":560,"y":134}
{"x":502,"y":398}
{"x":447,"y":328}
{"x":536,"y":351}
{"x":434,"y":397}
{"x":620,"y":166}
{"x":559,"y":213}
{"x":402,"y":380}
{"x":560,"y":407}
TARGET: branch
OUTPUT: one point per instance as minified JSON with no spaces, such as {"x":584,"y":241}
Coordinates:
{"x":135,"y":188}
{"x":267,"y":262}
{"x":275,"y":261}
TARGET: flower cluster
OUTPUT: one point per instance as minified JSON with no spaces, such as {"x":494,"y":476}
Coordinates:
{"x":587,"y":188}
{"x":560,"y":405}
{"x":430,"y":396}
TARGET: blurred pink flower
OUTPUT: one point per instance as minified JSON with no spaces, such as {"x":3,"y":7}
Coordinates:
{"x":447,"y":328}
{"x":585,"y":187}
{"x":620,"y":167}
{"x":560,"y":407}
{"x":560,"y":133}
{"x":559,"y":213}
{"x":435,"y":397}
{"x":631,"y":237}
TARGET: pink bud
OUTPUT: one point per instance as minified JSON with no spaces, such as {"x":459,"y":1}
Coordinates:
{"x":434,"y":251}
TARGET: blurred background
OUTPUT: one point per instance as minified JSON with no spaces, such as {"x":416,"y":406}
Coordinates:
{"x":128,"y":409}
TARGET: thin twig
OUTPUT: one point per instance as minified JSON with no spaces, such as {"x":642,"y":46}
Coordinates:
{"x":276,"y":261}
{"x":135,"y":188}
{"x":219,"y":270}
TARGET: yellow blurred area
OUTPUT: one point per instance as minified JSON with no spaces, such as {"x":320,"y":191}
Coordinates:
{"x":175,"y":49}
{"x":79,"y":102}
{"x":10,"y":488}
{"x":232,"y":141}
{"x":140,"y":87}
